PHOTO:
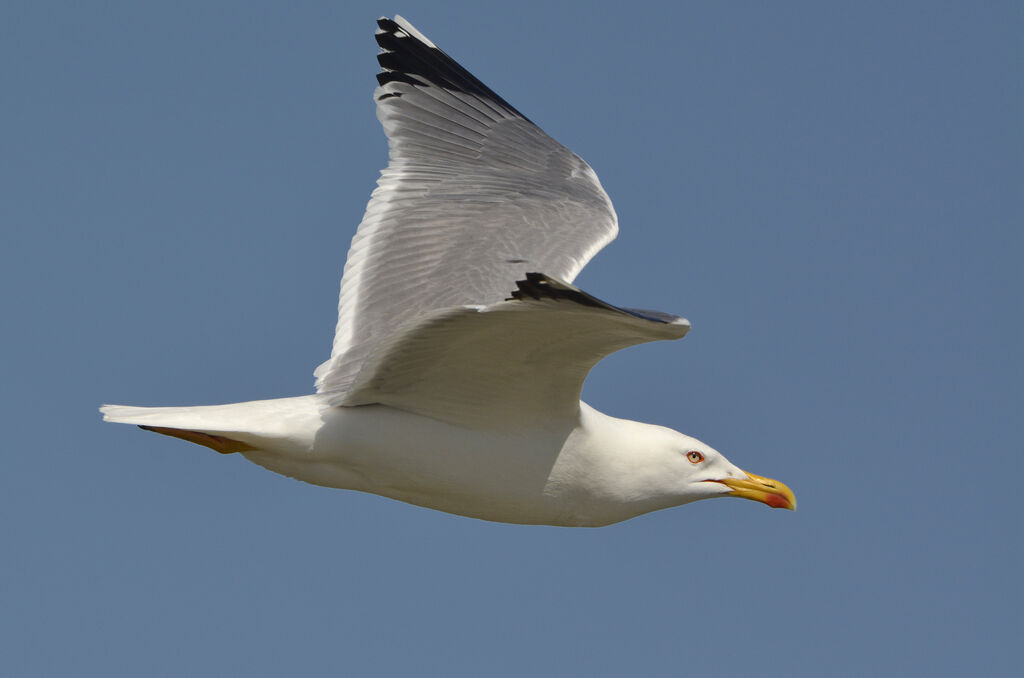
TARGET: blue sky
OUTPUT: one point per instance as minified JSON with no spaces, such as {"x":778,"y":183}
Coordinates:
{"x":830,"y":192}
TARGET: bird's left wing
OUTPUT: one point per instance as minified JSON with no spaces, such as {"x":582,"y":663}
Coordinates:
{"x":498,"y":366}
{"x":474,"y":196}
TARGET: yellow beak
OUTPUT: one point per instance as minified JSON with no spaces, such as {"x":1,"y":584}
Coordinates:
{"x":761,"y":489}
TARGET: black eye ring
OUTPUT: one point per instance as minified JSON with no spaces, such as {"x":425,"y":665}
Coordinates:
{"x":694,"y":457}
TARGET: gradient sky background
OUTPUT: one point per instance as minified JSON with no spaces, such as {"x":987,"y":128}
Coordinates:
{"x":831,"y":194}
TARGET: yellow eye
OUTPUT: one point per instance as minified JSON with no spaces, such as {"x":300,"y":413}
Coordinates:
{"x":695,"y":457}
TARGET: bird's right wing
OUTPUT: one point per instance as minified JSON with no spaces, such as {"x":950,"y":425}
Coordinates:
{"x":498,"y":366}
{"x":474,"y":196}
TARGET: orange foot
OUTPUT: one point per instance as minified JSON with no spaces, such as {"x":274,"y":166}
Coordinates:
{"x":214,"y":442}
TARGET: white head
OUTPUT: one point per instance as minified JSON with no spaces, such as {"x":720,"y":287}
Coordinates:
{"x":642,"y":467}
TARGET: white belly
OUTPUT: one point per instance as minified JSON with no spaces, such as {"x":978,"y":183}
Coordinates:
{"x":492,"y":475}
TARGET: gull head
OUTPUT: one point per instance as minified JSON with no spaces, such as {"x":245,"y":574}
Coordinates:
{"x":621,"y":469}
{"x":644,"y":467}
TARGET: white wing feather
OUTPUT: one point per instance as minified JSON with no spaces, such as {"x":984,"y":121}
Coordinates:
{"x":474,"y":195}
{"x":497,"y":366}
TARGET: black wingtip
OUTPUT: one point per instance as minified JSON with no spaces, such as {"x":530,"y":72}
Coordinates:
{"x":405,"y":58}
{"x":539,"y":286}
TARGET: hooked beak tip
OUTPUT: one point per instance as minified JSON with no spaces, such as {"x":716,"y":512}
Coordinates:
{"x":770,"y":492}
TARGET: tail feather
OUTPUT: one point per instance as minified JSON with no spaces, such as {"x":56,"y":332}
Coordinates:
{"x":235,"y":427}
{"x":216,"y":418}
{"x":181,"y":422}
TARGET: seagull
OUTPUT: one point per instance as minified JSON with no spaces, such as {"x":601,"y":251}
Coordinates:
{"x":461,"y":346}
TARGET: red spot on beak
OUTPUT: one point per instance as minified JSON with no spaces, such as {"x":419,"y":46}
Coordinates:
{"x":776,"y":501}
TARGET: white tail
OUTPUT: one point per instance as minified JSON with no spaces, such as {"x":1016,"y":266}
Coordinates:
{"x":236,"y":427}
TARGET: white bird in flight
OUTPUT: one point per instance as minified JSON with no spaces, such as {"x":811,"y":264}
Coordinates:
{"x":455,"y":376}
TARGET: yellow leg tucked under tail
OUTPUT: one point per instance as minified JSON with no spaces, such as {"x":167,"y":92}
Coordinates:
{"x":214,"y":442}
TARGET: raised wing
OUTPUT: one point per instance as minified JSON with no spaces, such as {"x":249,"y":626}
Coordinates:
{"x":496,"y":366}
{"x":474,"y":196}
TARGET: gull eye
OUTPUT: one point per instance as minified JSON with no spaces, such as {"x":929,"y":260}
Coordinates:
{"x":695,"y":457}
